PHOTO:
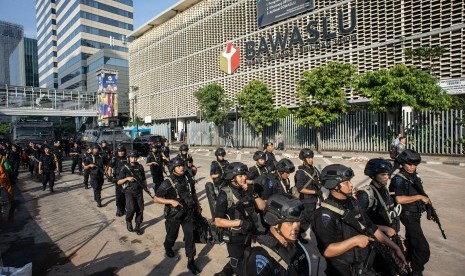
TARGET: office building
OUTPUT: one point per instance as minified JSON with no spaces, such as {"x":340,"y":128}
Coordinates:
{"x":24,"y":64}
{"x":69,"y":32}
{"x":10,"y":36}
{"x":197,"y":42}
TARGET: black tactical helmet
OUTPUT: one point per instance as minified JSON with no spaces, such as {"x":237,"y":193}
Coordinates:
{"x":233,"y":169}
{"x":104,"y":141}
{"x":121,"y":148}
{"x":334,"y":174}
{"x":183,"y":147}
{"x":409,"y":156}
{"x":306,"y":153}
{"x":133,"y":153}
{"x":285,"y":166}
{"x":95,"y":146}
{"x":220,"y":152}
{"x":281,"y":208}
{"x":259,"y":155}
{"x":156,"y":145}
{"x":177,"y":161}
{"x":377,"y":165}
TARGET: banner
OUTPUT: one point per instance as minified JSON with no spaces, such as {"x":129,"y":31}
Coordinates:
{"x":270,"y":11}
{"x":107,"y":95}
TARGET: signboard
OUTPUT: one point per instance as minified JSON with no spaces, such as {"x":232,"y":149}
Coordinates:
{"x":107,"y":94}
{"x":148,"y":119}
{"x":453,"y":86}
{"x":270,"y":11}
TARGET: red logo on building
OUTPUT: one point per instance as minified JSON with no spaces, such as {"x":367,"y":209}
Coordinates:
{"x":230,"y":59}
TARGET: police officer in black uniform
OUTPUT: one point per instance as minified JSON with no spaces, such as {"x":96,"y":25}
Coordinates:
{"x":270,"y":159}
{"x":94,"y":162}
{"x":235,"y":213}
{"x":132,"y":179}
{"x":106,"y":154}
{"x":374,"y":199}
{"x":116,"y":164}
{"x":259,"y":169}
{"x":178,"y":194}
{"x":218,"y":166}
{"x":279,"y":252}
{"x":33,"y":154}
{"x":188,"y":160}
{"x":155,"y":162}
{"x":58,"y":151}
{"x":15,"y":159}
{"x":47,"y":168}
{"x":342,"y":230}
{"x":84,"y":157}
{"x":307,"y":183}
{"x":408,"y":188}
{"x":165,"y":151}
{"x":278,"y":182}
{"x":76,"y":155}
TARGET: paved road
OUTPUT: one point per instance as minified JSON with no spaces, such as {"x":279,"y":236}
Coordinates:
{"x":65,"y":233}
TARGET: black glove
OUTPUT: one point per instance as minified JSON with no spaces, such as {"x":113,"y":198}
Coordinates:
{"x":246,"y":226}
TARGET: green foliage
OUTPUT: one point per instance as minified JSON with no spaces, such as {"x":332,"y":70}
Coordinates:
{"x":428,"y":55}
{"x":137,"y":121}
{"x":4,"y":128}
{"x":257,"y":105}
{"x":64,"y":128}
{"x":325,"y":86}
{"x":213,"y":103}
{"x":283,"y":112}
{"x":390,"y":89}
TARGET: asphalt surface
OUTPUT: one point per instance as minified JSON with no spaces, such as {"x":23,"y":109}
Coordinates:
{"x":65,"y":233}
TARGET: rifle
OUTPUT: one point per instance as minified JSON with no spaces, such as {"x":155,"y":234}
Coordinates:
{"x":430,"y":210}
{"x":432,"y":215}
{"x":139,"y":182}
{"x":349,"y":217}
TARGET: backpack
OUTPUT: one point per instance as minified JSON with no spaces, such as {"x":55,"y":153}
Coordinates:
{"x":372,"y":201}
{"x":393,"y":151}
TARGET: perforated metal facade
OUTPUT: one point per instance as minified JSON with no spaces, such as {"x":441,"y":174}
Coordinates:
{"x":170,"y":61}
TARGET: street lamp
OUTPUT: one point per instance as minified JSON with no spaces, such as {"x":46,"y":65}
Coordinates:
{"x":133,"y":98}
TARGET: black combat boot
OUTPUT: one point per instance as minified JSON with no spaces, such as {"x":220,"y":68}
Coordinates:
{"x":138,"y":230}
{"x":193,"y":267}
{"x":169,"y":252}
{"x":119,"y":213}
{"x":99,"y":202}
{"x":129,"y":226}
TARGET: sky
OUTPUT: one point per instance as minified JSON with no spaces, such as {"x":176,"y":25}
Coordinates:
{"x":22,"y":12}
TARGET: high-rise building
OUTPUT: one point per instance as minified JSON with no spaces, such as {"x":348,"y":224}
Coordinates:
{"x":47,"y":43}
{"x":78,"y":29}
{"x":10,"y":36}
{"x":24,"y":64}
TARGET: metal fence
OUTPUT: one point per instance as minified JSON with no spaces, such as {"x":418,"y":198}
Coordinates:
{"x":426,"y":132}
{"x":163,"y":129}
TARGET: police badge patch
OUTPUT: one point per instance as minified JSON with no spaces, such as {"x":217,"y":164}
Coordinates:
{"x":260,"y":262}
{"x":325,"y":217}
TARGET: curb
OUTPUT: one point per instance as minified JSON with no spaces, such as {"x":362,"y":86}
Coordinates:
{"x":450,"y":163}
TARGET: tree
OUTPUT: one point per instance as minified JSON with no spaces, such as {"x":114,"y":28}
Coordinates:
{"x":402,"y":85}
{"x":4,"y":128}
{"x":428,"y":55}
{"x":321,"y":92}
{"x":214,"y":105}
{"x":257,"y":106}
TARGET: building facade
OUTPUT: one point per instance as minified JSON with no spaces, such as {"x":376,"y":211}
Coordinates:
{"x":46,"y":21}
{"x":10,"y":36}
{"x":24,"y":64}
{"x":79,"y":29}
{"x":197,"y":42}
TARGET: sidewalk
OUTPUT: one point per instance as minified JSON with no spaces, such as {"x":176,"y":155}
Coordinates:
{"x":360,"y":156}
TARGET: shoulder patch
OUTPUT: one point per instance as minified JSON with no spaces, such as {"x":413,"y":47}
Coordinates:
{"x":260,"y":263}
{"x":325,"y":217}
